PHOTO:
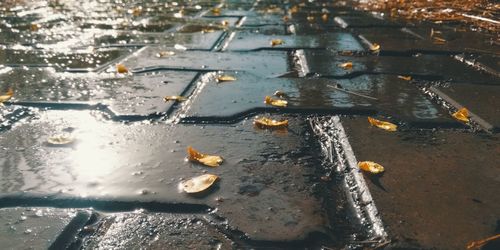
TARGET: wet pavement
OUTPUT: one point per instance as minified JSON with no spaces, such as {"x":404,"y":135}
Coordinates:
{"x":116,"y":183}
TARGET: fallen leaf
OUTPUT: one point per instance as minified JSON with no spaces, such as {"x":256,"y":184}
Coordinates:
{"x":285,"y":18}
{"x":276,"y":42}
{"x":269,"y":123}
{"x":216,"y":11}
{"x":346,"y":53}
{"x":209,"y":160}
{"x":225,"y":78}
{"x":137,"y":11}
{"x":35,"y":27}
{"x":311,"y":18}
{"x":180,"y":47}
{"x":439,"y":40}
{"x":174,"y":98}
{"x":207,"y":30}
{"x":479,"y":243}
{"x":165,"y":53}
{"x":324,"y":17}
{"x":346,"y":65}
{"x":280,"y":94}
{"x":275,"y":102}
{"x":199,"y":183}
{"x":371,"y":167}
{"x":7,"y":96}
{"x":462,"y":115}
{"x":225,"y":23}
{"x":375,"y":47}
{"x":406,"y":78}
{"x":120,"y":68}
{"x":382,"y":124}
{"x":62,"y":139}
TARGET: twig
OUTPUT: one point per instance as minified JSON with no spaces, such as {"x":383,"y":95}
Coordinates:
{"x":353,"y":93}
{"x":481,"y":18}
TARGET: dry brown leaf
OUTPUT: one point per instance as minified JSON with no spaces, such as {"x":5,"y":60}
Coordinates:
{"x":199,"y":183}
{"x":375,"y":47}
{"x":276,"y":42}
{"x":120,"y":68}
{"x":479,"y":243}
{"x":406,"y":78}
{"x":177,"y":98}
{"x":439,"y":40}
{"x":208,"y":160}
{"x":7,"y":96}
{"x":371,"y":167}
{"x":275,"y":102}
{"x":294,"y":9}
{"x":346,"y":65}
{"x":264,"y":122}
{"x":280,"y":94}
{"x":225,"y":78}
{"x":62,"y":139}
{"x":285,"y":18}
{"x":35,"y":26}
{"x":462,"y":115}
{"x":165,"y":53}
{"x":382,"y":124}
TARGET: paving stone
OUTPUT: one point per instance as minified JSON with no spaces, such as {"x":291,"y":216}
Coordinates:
{"x":138,"y":94}
{"x":156,"y":231}
{"x":483,"y":100}
{"x":396,"y":97}
{"x":28,"y":228}
{"x":366,"y":21}
{"x":271,"y":62}
{"x":335,"y":41}
{"x":262,"y":20}
{"x":265,"y":185}
{"x":326,"y":63}
{"x":270,"y":30}
{"x":433,"y":183}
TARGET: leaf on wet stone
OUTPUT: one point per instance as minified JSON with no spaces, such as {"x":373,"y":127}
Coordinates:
{"x":264,"y":122}
{"x":120,"y":68}
{"x":370,"y":166}
{"x":225,"y":23}
{"x":208,"y":160}
{"x":216,"y":11}
{"x":7,"y":96}
{"x":276,"y":42}
{"x":35,"y":27}
{"x":383,"y":124}
{"x":207,"y":30}
{"x":346,"y":65}
{"x":61,"y":139}
{"x":374,"y":47}
{"x":439,"y":40}
{"x":280,"y":94}
{"x":165,"y":53}
{"x":477,"y":244}
{"x":177,"y":98}
{"x":275,"y":102}
{"x":461,"y":115}
{"x":225,"y":78}
{"x":324,"y":17}
{"x":406,"y":78}
{"x":199,"y":183}
{"x":180,"y":47}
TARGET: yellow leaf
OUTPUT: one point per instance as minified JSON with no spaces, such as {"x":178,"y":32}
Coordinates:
{"x":275,"y":102}
{"x":207,"y":30}
{"x":199,"y":183}
{"x":269,"y":123}
{"x":462,"y":115}
{"x":276,"y":42}
{"x":208,"y":160}
{"x":371,"y":167}
{"x":216,"y":11}
{"x":120,"y":68}
{"x":346,"y":66}
{"x":479,"y":243}
{"x":324,"y":17}
{"x":35,"y":27}
{"x":375,"y":47}
{"x":165,"y":53}
{"x":439,"y":40}
{"x":62,"y":139}
{"x":280,"y":94}
{"x":383,"y":125}
{"x":7,"y":96}
{"x":174,"y":98}
{"x":225,"y":78}
{"x":406,"y":78}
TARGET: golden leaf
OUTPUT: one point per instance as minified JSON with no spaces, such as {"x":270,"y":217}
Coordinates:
{"x":462,"y":115}
{"x":174,"y":98}
{"x":208,"y":160}
{"x":216,"y":11}
{"x":280,"y":94}
{"x":7,"y":96}
{"x":439,"y":40}
{"x":225,"y":23}
{"x":479,"y":243}
{"x":294,"y":9}
{"x":346,"y":66}
{"x":383,"y":125}
{"x":346,"y":53}
{"x":276,"y":42}
{"x":375,"y":47}
{"x":199,"y":183}
{"x":62,"y":139}
{"x":406,"y":78}
{"x":225,"y":78}
{"x":275,"y":102}
{"x":207,"y":30}
{"x":165,"y":53}
{"x":324,"y":17}
{"x":35,"y":27}
{"x":269,"y":123}
{"x":120,"y":68}
{"x":371,"y":167}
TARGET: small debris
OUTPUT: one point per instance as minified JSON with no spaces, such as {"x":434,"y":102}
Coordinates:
{"x":120,"y":68}
{"x":174,"y":98}
{"x":371,"y":167}
{"x":276,"y":42}
{"x":346,"y":65}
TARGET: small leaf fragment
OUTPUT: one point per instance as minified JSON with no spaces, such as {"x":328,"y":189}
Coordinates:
{"x":275,"y":102}
{"x":35,"y":26}
{"x":462,"y":115}
{"x":165,"y":53}
{"x":7,"y":96}
{"x":225,"y":23}
{"x":374,"y":47}
{"x":276,"y":42}
{"x":199,"y":183}
{"x":180,"y":47}
{"x":174,"y":98}
{"x":406,"y":78}
{"x":439,"y":40}
{"x":225,"y":78}
{"x":382,"y":124}
{"x":62,"y":139}
{"x":207,"y":30}
{"x":216,"y":11}
{"x":280,"y":94}
{"x":208,"y":160}
{"x":324,"y":17}
{"x":264,"y":122}
{"x":120,"y":68}
{"x":346,"y":65}
{"x":370,"y":166}
{"x":479,"y":243}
